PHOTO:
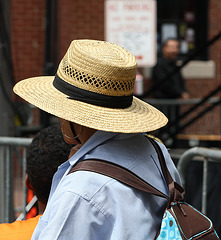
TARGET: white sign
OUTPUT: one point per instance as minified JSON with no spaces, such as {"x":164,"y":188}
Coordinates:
{"x":132,"y":24}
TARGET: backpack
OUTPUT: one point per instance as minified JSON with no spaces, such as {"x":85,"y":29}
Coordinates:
{"x":180,"y":219}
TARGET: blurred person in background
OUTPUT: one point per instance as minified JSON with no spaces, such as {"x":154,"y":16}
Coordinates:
{"x":174,"y":87}
{"x":46,"y":152}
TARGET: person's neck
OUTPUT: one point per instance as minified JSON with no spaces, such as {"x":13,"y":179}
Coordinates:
{"x":171,"y":60}
{"x":86,"y":134}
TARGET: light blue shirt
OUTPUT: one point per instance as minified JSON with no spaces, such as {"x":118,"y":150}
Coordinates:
{"x":85,"y":205}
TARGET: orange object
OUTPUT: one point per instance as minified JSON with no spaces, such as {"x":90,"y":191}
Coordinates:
{"x":33,"y":212}
{"x":18,"y":230}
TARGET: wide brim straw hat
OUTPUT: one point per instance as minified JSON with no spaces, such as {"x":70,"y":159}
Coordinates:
{"x":93,"y":87}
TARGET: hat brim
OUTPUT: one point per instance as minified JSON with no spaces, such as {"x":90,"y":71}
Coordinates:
{"x":139,"y":117}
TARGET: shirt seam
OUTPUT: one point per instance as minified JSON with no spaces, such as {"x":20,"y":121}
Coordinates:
{"x":93,"y":204}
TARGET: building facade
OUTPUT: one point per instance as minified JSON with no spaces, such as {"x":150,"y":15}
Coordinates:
{"x":41,"y":32}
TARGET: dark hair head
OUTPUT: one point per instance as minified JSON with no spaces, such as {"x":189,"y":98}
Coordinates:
{"x":164,"y":43}
{"x":46,"y":152}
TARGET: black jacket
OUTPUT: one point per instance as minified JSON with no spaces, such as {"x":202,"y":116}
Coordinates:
{"x":172,"y":87}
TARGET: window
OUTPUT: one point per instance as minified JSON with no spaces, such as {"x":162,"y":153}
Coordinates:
{"x":186,"y":20}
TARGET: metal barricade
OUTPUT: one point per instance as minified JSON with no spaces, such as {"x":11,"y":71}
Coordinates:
{"x":12,"y":158}
{"x":206,"y":155}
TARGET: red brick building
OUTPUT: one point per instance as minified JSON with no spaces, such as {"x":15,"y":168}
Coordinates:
{"x":76,"y":19}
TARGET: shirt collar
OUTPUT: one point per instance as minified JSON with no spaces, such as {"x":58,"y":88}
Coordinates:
{"x":96,"y":139}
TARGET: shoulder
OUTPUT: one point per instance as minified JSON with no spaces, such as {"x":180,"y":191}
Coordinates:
{"x":18,"y":229}
{"x":161,"y":65}
{"x":170,"y":164}
{"x":162,"y":61}
{"x":153,"y":137}
{"x":83,"y":184}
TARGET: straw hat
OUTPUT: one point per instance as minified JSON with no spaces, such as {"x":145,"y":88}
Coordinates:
{"x":94,"y":87}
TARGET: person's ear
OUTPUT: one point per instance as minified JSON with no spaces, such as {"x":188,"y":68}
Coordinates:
{"x":27,"y":183}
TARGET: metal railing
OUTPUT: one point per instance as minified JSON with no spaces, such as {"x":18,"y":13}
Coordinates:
{"x":12,"y":166}
{"x":206,"y":155}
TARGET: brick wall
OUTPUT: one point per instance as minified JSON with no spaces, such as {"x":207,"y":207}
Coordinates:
{"x":78,"y":19}
{"x":81,"y":19}
{"x":215,"y":28}
{"x":27,"y":37}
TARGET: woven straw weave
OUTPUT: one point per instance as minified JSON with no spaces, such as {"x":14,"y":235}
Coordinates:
{"x":98,"y":67}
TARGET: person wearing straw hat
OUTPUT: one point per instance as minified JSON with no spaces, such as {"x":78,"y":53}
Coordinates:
{"x":92,"y":95}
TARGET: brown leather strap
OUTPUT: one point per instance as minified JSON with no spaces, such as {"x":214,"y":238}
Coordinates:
{"x":128,"y":177}
{"x":163,"y":165}
{"x":117,"y":172}
{"x":177,"y":193}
